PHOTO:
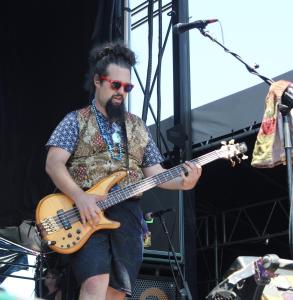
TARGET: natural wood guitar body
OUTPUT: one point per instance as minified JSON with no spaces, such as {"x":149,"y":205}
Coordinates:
{"x":54,"y":211}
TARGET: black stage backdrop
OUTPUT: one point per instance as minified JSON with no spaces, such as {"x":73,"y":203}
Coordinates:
{"x":43,"y":62}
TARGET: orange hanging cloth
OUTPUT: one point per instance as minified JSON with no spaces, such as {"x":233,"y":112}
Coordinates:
{"x":269,"y":150}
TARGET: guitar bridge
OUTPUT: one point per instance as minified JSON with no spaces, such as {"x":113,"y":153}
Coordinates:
{"x":49,"y":225}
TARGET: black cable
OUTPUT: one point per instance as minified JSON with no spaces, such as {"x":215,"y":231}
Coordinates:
{"x":172,"y":267}
{"x":152,"y":87}
{"x":150,"y":57}
{"x":159,"y":100}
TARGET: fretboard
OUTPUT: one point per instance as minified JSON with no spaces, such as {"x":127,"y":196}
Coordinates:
{"x":120,"y":195}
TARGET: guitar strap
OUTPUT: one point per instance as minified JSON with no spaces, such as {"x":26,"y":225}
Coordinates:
{"x":123,"y":125}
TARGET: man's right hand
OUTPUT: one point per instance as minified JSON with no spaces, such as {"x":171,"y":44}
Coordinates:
{"x":86,"y":203}
{"x":88,"y":208}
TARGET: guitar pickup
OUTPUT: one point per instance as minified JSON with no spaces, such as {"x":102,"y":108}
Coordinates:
{"x":63,"y":219}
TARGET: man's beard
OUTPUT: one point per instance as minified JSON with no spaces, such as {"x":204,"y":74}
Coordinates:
{"x":115,"y":112}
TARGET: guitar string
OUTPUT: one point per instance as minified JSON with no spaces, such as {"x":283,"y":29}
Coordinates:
{"x":147,"y":183}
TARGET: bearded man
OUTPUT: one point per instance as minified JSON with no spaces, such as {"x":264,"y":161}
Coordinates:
{"x":89,"y":145}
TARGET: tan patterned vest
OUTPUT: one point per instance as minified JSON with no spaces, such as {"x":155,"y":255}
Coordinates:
{"x":92,"y":161}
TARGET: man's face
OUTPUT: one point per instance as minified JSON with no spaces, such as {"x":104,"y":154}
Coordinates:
{"x":110,"y":100}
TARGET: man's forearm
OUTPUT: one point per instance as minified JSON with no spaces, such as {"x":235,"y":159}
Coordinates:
{"x":63,"y":181}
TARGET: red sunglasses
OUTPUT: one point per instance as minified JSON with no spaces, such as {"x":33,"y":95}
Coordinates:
{"x":116,"y":84}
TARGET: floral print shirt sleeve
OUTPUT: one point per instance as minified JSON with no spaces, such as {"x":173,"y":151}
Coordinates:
{"x":65,"y":135}
{"x":152,"y":155}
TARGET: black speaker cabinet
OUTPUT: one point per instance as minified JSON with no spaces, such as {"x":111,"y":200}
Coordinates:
{"x":156,"y":200}
{"x":154,"y":288}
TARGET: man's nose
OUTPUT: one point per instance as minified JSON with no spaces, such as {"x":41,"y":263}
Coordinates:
{"x":121,"y":90}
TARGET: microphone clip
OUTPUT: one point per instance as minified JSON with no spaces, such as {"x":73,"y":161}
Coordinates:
{"x":149,"y":217}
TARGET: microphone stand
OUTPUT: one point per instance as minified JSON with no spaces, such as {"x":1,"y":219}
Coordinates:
{"x":39,"y":271}
{"x":184,"y":292}
{"x":285,"y":111}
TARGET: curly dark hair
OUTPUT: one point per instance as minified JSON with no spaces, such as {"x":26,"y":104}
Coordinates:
{"x":103,"y":55}
{"x":55,"y":273}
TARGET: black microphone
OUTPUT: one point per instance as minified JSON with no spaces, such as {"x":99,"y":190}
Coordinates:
{"x":200,"y":24}
{"x":151,"y":215}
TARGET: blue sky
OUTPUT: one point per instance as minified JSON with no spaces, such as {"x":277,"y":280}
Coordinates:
{"x":257,"y":30}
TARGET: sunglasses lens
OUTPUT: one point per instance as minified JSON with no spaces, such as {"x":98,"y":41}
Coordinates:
{"x":116,"y":85}
{"x":128,"y":88}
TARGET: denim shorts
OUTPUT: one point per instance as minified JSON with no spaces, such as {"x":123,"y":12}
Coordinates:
{"x":118,"y":252}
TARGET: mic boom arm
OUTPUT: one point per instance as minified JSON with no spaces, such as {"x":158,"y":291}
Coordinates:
{"x":250,"y":69}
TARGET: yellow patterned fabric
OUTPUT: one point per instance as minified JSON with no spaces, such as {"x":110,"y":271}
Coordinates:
{"x":91,"y":161}
{"x":280,"y":288}
{"x":268,"y":150}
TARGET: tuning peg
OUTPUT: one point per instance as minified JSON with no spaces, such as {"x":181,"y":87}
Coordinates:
{"x":238,"y":159}
{"x":224,"y":143}
{"x":232,"y":142}
{"x":232,"y":162}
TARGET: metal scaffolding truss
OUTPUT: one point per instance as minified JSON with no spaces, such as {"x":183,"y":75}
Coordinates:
{"x":237,"y":135}
{"x":257,"y":222}
{"x":142,"y":9}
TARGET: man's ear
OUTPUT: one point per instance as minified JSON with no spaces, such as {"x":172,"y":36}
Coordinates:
{"x":97,"y":81}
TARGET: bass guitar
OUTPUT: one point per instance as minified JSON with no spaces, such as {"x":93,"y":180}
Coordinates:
{"x":58,"y":219}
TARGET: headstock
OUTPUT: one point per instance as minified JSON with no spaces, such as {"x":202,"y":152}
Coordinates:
{"x":232,"y":151}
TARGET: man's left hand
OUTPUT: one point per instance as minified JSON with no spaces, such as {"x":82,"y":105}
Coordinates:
{"x":191,"y":175}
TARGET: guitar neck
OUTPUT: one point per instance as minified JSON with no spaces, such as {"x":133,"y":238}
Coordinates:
{"x":153,"y":181}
